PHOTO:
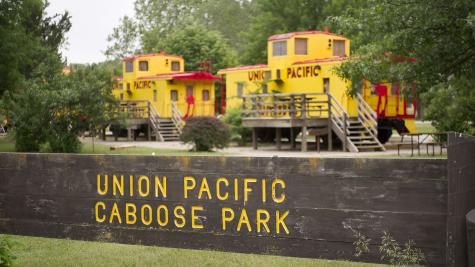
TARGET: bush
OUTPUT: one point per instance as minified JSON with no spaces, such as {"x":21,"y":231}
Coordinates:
{"x":6,"y":257}
{"x":205,"y":133}
{"x":239,"y":134}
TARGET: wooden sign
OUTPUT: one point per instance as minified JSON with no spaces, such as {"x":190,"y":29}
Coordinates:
{"x":299,"y":207}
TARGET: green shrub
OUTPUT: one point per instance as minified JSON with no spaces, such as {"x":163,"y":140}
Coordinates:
{"x":205,"y":133}
{"x":239,"y":134}
{"x":6,"y":257}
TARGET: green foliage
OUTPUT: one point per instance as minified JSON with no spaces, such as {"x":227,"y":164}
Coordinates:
{"x":123,"y":39}
{"x":30,"y":42}
{"x":205,"y":133}
{"x":50,"y":116}
{"x":276,"y":16}
{"x":6,"y":256}
{"x":408,"y":255}
{"x":197,"y":44}
{"x":239,"y":134}
{"x":451,"y":106}
{"x":443,"y":43}
{"x":390,"y":250}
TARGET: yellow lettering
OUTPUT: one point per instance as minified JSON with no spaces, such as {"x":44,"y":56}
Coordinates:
{"x":244,"y":219}
{"x":162,"y":221}
{"x":279,"y":220}
{"x":142,"y":192}
{"x":226,"y":218}
{"x":218,"y":188}
{"x":194,"y":217}
{"x":263,"y":191}
{"x":179,"y":218}
{"x":98,"y":218}
{"x":115,"y":213}
{"x":131,"y":185}
{"x":248,"y":189}
{"x":150,"y":215}
{"x":116,"y":184}
{"x":189,"y":183}
{"x":262,"y":221}
{"x":204,"y":188}
{"x":236,"y":189}
{"x":161,"y":185}
{"x":130,"y":211}
{"x":281,"y":198}
{"x":106,"y":183}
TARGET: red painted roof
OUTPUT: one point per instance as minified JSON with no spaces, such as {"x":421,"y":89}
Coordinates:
{"x":132,"y":57}
{"x":292,"y":34}
{"x":245,"y":67}
{"x":308,"y":61}
{"x":192,"y":75}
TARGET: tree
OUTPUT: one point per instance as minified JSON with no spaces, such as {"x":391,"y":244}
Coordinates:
{"x":197,"y":44}
{"x":229,"y":17}
{"x":50,"y":116}
{"x":155,"y":21}
{"x":30,"y":42}
{"x":123,"y":39}
{"x":280,"y":16}
{"x":440,"y":35}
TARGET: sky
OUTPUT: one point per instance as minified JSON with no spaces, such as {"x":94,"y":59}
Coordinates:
{"x":92,"y":21}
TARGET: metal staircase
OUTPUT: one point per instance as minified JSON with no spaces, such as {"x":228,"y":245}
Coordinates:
{"x":357,"y":133}
{"x":165,"y":129}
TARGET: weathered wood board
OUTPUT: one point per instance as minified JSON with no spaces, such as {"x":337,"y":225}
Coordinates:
{"x":305,"y":215}
{"x":284,"y":206}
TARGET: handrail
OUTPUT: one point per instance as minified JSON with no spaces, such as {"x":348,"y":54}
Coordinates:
{"x":366,"y":114}
{"x":362,"y":103}
{"x":154,"y":116}
{"x":177,"y":117}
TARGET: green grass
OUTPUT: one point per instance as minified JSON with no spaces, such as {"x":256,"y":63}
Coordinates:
{"x":35,"y":251}
{"x":425,"y":127}
{"x":7,"y":145}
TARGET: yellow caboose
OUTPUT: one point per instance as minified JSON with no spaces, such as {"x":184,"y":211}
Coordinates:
{"x":299,"y":91}
{"x":156,"y":95}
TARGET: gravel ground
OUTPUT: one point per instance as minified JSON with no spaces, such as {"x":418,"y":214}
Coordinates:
{"x":267,"y":150}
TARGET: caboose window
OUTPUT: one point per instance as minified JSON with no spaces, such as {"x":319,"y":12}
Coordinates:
{"x":129,"y":66}
{"x":339,"y":48}
{"x":300,"y":46}
{"x":174,"y":95}
{"x":175,"y":65}
{"x":143,"y":65}
{"x":279,"y":48}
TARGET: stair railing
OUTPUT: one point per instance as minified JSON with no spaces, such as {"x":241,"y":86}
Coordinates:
{"x":339,"y":118}
{"x":366,"y":114}
{"x":154,"y":118}
{"x":177,"y":117}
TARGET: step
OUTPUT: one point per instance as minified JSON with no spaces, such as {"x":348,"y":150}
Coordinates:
{"x":361,"y":137}
{"x":365,"y":143}
{"x":359,"y":132}
{"x":356,"y":127}
{"x":369,"y":147}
